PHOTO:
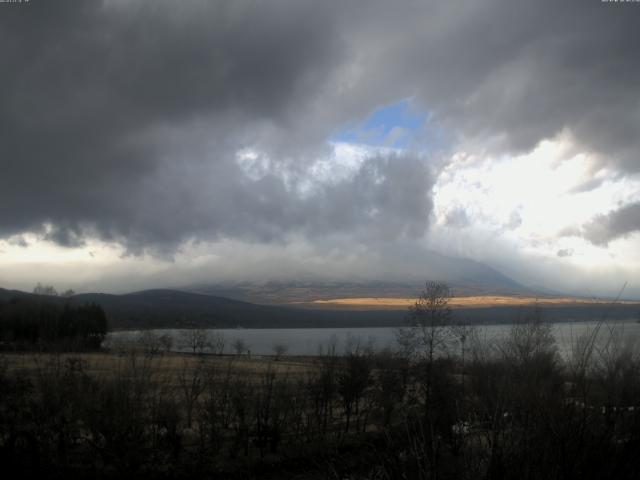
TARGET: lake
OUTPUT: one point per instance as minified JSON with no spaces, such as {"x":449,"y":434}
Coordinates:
{"x":309,"y":341}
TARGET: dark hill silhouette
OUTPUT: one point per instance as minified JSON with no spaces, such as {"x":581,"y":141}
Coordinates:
{"x":179,"y":309}
{"x":176,"y":309}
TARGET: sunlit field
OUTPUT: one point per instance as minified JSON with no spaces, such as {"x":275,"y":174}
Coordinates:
{"x":478,"y":301}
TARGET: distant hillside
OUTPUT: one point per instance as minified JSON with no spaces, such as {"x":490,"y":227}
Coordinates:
{"x":173,"y":308}
{"x":9,"y":294}
{"x":178,"y":309}
{"x":464,"y":276}
{"x":292,"y":292}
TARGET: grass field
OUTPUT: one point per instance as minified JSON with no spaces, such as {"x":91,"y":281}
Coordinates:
{"x":479,"y":301}
{"x":168,"y":366}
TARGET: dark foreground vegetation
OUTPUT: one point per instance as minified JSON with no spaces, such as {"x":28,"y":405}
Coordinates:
{"x":446,"y":405}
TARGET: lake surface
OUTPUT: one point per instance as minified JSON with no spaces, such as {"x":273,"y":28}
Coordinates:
{"x":310,"y":341}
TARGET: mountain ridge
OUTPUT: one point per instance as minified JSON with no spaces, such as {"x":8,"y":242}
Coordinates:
{"x":169,"y":308}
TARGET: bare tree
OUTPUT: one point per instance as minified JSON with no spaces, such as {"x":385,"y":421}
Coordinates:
{"x":166,"y":341}
{"x":240,"y":346}
{"x":322,"y":384}
{"x":428,"y":338}
{"x":391,"y":378}
{"x":354,"y":377}
{"x":530,"y":342}
{"x":196,"y":339}
{"x":430,"y":318}
{"x":271,"y":411}
{"x":47,"y":290}
{"x":191,"y":379}
{"x":279,"y":349}
{"x":149,"y":342}
{"x":218,"y":343}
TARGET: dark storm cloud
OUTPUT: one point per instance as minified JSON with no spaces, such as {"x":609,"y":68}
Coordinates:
{"x":389,"y":197}
{"x":64,"y":235}
{"x":616,"y":224}
{"x":521,"y":71}
{"x":100,"y":102}
{"x":121,"y":120}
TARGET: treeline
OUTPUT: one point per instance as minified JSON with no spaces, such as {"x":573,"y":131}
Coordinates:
{"x":29,"y":321}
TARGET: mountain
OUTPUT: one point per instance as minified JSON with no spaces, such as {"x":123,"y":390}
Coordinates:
{"x":467,"y":276}
{"x":464,"y":276}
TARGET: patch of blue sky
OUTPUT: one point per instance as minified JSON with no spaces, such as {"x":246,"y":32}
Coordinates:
{"x":399,"y":125}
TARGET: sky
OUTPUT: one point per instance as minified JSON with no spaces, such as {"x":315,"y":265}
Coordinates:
{"x":156,"y":143}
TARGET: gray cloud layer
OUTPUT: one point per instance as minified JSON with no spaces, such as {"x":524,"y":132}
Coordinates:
{"x":122,"y":120}
{"x":615,"y":224}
